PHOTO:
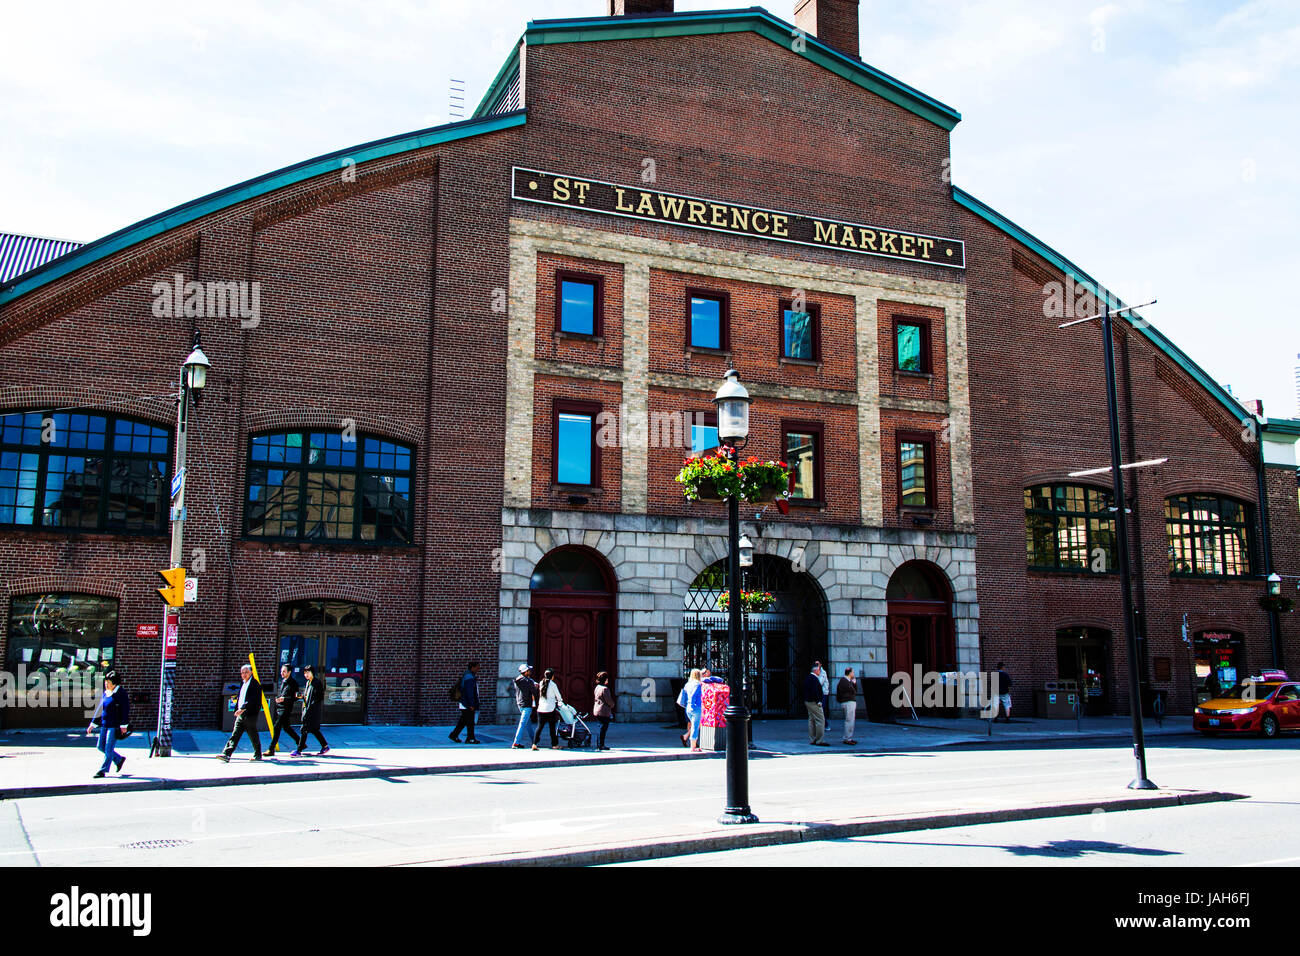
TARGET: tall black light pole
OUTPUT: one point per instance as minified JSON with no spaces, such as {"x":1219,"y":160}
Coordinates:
{"x":732,"y":401}
{"x":1139,"y":782}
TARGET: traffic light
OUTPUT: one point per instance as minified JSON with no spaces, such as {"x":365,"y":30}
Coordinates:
{"x":174,"y":594}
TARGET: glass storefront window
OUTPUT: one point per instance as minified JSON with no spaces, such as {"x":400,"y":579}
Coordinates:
{"x":1069,"y":528}
{"x":60,"y":633}
{"x":1209,"y":535}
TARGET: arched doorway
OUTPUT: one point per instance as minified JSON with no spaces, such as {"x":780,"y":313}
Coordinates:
{"x":780,"y":644}
{"x":920,"y":624}
{"x":572,"y":626}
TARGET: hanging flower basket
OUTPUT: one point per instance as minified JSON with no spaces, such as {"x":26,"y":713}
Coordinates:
{"x":755,"y":602}
{"x":1279,"y":604}
{"x":716,"y":477}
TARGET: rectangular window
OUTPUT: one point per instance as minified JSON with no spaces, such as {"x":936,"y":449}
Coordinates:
{"x":915,"y":471}
{"x":706,"y":320}
{"x":800,"y":332}
{"x":704,"y":431}
{"x":578,"y":303}
{"x":577,"y":458}
{"x":912,"y":345}
{"x":803,"y":453}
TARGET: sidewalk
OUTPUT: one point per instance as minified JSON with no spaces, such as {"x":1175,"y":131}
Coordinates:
{"x":54,"y":763}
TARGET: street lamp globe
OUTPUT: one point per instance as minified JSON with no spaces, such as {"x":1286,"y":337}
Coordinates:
{"x":746,"y":552}
{"x":732,"y":400}
{"x":1275,"y":584}
{"x":196,"y":368}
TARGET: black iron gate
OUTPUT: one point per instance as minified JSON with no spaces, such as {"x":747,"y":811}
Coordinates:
{"x":780,"y":644}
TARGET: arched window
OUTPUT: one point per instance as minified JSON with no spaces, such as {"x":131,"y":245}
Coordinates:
{"x":318,"y":485}
{"x":1069,"y":528}
{"x":83,"y":470}
{"x":1209,"y":535}
{"x":58,"y":633}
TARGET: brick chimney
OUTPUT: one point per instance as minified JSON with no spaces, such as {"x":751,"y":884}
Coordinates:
{"x":638,"y":8}
{"x":834,"y":22}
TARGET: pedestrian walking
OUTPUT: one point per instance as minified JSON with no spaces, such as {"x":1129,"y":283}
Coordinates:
{"x":468,"y":705}
{"x":812,"y":699}
{"x":846,"y":692}
{"x":691,"y":701}
{"x":113,"y":718}
{"x":826,"y":690}
{"x":313,"y":705}
{"x":1003,"y":692}
{"x":603,"y":710}
{"x":548,"y":699}
{"x":247,"y":711}
{"x":286,"y":696}
{"x":526,"y":701}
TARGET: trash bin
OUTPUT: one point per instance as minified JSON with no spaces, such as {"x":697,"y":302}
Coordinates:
{"x":876,"y":692}
{"x":713,"y":726}
{"x":229,"y":701}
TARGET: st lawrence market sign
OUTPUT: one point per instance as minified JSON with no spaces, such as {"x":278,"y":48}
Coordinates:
{"x":635,"y":202}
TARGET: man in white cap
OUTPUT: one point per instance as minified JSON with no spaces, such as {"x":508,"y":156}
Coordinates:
{"x":525,"y":700}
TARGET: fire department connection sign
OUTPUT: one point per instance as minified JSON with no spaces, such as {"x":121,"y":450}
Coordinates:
{"x":635,"y":202}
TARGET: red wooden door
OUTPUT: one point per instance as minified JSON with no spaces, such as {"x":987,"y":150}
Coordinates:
{"x":567,"y":644}
{"x":900,"y":649}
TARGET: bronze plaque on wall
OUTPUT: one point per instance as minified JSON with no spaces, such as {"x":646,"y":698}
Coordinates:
{"x":651,"y":643}
{"x":1162,"y":668}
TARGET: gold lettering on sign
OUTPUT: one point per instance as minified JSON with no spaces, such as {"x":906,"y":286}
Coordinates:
{"x":696,"y":213}
{"x":618,"y":200}
{"x":582,"y":188}
{"x":779,"y":226}
{"x":909,"y":245}
{"x":868,"y":238}
{"x":739,"y":218}
{"x":926,"y":245}
{"x":672,"y":207}
{"x":825,"y":231}
{"x":719,"y":215}
{"x":560,"y":189}
{"x":848,"y":237}
{"x":766,"y":223}
{"x":645,"y":207}
{"x":887,"y":242}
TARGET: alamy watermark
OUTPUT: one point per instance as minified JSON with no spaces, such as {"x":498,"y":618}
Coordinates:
{"x":208,"y":300}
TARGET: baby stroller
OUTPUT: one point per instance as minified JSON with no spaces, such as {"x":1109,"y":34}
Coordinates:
{"x":573,"y":728}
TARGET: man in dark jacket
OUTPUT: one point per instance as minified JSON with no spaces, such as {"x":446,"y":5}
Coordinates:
{"x":113,"y":715}
{"x":313,"y":705}
{"x":286,"y":697}
{"x":525,"y":700}
{"x":812,"y":699}
{"x":468,"y":705}
{"x":247,"y":710}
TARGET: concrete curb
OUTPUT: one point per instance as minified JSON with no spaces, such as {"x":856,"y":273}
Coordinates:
{"x":748,"y":837}
{"x":117,"y":784}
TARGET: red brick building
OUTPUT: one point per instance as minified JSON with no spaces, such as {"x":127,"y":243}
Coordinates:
{"x":455,"y":372}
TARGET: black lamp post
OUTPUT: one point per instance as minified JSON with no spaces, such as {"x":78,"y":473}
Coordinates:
{"x":732,"y":401}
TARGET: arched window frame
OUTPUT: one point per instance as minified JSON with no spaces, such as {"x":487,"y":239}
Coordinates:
{"x":1095,"y":519}
{"x":339,"y":459}
{"x":1233,"y":540}
{"x":125,"y":443}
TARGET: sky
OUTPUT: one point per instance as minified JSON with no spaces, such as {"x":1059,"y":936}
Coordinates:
{"x":1153,"y":142}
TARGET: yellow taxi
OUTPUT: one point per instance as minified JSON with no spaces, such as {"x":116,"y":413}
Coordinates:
{"x":1264,"y":705}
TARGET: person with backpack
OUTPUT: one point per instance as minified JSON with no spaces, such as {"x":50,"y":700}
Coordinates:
{"x":313,"y":704}
{"x":548,"y":700}
{"x":468,"y":701}
{"x":113,"y":719}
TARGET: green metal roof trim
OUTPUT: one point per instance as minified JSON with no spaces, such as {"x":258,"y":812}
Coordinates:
{"x":1282,"y":426}
{"x":225,"y":198}
{"x":499,"y":84}
{"x":1183,"y":360}
{"x":751,"y":20}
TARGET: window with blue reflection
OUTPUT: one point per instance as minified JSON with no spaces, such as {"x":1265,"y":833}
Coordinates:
{"x":706,"y":322}
{"x":578,"y":307}
{"x":798,"y":333}
{"x":573,"y":463}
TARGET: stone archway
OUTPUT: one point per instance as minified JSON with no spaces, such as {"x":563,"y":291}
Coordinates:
{"x":921,"y":631}
{"x":572,"y":621}
{"x":780,"y":644}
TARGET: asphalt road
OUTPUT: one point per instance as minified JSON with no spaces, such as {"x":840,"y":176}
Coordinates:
{"x":419,"y":819}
